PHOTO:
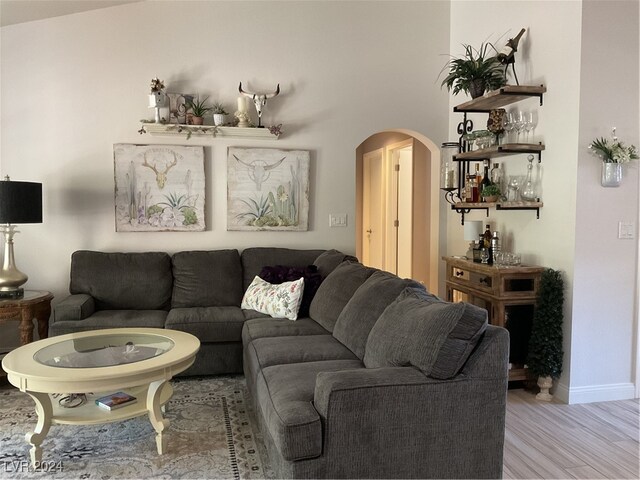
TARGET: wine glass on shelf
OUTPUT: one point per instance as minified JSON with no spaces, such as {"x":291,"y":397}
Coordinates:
{"x":470,"y":138}
{"x":528,"y":124}
{"x":509,"y":125}
{"x":519,"y":124}
{"x":514,"y":186}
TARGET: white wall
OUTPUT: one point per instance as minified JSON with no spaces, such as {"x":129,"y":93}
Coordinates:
{"x":73,"y":86}
{"x":604,"y":271}
{"x":599,"y":270}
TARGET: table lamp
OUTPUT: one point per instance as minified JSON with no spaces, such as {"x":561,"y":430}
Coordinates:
{"x":20,"y":202}
{"x":472,"y":231}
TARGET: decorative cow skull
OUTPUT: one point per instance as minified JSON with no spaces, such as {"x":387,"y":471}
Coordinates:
{"x":161,"y":177}
{"x":259,"y":100}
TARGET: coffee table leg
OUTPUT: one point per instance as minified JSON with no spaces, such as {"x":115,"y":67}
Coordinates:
{"x":155,"y":413}
{"x":45,"y":413}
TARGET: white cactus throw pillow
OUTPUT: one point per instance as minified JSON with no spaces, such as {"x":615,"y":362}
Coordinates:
{"x":279,"y":301}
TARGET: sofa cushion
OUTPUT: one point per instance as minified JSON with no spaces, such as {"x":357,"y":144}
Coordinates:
{"x":335,"y":292}
{"x":277,"y":274}
{"x":207,"y":279}
{"x":363,"y":309}
{"x":279,"y":301}
{"x":278,"y":327}
{"x":123,"y":281}
{"x":284,"y":394}
{"x":111,"y":319}
{"x":265,"y":352}
{"x":254,"y":259}
{"x":209,"y":324}
{"x":329,"y":260}
{"x":75,"y":307}
{"x":421,"y":330}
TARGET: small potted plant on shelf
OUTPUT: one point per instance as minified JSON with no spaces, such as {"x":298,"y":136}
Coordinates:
{"x":474,"y":72}
{"x":491,"y":193}
{"x":544,"y":357}
{"x":198,"y":109}
{"x":219,"y":113}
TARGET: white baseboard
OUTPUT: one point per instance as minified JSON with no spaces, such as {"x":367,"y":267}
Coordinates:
{"x":595,"y":393}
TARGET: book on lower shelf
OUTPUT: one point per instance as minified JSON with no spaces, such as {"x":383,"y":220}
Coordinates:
{"x":115,"y":400}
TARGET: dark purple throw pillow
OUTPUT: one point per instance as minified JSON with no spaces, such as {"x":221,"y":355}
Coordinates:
{"x":281,"y":273}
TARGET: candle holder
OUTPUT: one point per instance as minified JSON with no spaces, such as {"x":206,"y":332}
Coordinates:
{"x":243,"y":119}
{"x":449,"y":169}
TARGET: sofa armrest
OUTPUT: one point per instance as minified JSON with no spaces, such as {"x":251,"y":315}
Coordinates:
{"x":426,"y":428}
{"x":74,"y":307}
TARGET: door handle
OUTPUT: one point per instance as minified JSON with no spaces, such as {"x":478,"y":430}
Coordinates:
{"x":369,"y":231}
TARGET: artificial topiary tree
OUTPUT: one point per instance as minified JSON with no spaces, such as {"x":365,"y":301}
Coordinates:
{"x":545,"y":344}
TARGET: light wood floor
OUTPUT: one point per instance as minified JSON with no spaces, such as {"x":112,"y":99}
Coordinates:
{"x":554,"y":440}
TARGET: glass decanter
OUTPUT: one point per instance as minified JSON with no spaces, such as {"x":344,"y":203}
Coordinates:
{"x":528,"y":192}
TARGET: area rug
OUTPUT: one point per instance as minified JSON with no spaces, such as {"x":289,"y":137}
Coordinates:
{"x":211,"y":435}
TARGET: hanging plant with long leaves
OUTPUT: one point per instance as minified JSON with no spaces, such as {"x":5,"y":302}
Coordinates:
{"x":545,"y":344}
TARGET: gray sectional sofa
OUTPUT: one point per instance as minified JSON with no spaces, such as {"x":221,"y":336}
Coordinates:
{"x":381,"y":380}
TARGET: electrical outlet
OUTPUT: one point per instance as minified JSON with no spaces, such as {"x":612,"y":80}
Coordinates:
{"x":626,"y":230}
{"x":337,"y":219}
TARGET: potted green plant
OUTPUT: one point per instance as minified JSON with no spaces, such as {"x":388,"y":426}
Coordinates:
{"x":544,"y":356}
{"x":491,"y":193}
{"x":219,"y":113}
{"x":198,"y":109}
{"x":613,"y":154}
{"x":474,"y":72}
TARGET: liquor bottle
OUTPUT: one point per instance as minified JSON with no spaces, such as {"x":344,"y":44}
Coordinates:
{"x":528,"y":192}
{"x":486,"y":238}
{"x":477,"y":249}
{"x":496,"y":175}
{"x":478,"y":182}
{"x":468,"y":194}
{"x":506,"y":54}
{"x":485,"y":178}
{"x":495,"y":243}
{"x":475,"y":196}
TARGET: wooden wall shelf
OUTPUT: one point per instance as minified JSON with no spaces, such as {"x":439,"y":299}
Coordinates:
{"x":500,"y":97}
{"x":501,"y":151}
{"x":204,"y":130}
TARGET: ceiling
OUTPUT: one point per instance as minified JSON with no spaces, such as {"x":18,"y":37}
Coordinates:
{"x":21,"y":11}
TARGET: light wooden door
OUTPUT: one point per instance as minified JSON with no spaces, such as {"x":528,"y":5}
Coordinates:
{"x":399,"y":247}
{"x":373,"y":207}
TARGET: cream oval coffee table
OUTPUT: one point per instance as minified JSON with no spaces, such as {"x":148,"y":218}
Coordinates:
{"x":138,"y":361}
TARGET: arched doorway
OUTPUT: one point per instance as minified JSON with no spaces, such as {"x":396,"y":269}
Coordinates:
{"x":397,"y":205}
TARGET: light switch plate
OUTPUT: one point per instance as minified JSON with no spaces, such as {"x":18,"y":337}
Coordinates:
{"x":337,"y":219}
{"x":626,"y":230}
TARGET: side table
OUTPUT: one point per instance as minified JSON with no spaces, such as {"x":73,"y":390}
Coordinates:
{"x":35,"y":304}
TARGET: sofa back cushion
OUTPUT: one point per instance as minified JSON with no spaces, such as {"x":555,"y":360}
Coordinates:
{"x":363,"y":309}
{"x":123,"y":281}
{"x":335,"y":292}
{"x":207,"y":279}
{"x":254,"y":259}
{"x":419,"y":329}
{"x":329,"y":260}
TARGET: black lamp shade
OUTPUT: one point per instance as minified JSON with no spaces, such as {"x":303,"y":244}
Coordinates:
{"x":20,"y":202}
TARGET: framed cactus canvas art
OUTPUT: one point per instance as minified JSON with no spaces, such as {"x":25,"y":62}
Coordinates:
{"x":267,"y":189}
{"x":159,"y":188}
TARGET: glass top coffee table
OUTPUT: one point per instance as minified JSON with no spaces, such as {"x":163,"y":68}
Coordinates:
{"x":138,"y":361}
